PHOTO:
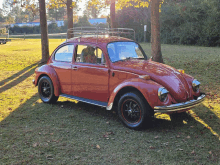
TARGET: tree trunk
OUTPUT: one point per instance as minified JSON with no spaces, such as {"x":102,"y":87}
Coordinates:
{"x":70,"y":17}
{"x":155,"y":32}
{"x":44,"y":33}
{"x":112,"y":14}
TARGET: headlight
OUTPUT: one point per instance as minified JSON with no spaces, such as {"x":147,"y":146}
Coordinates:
{"x":195,"y":85}
{"x":162,"y":94}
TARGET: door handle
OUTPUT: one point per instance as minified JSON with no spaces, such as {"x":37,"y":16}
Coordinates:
{"x":74,"y":68}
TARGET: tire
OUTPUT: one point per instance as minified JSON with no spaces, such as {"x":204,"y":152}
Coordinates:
{"x":133,"y":110}
{"x":46,"y":90}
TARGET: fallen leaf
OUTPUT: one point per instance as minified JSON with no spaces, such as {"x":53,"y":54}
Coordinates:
{"x":97,"y":146}
{"x":156,"y":137}
{"x":76,"y":157}
{"x":35,"y":144}
{"x":188,"y":137}
{"x":151,"y":147}
{"x":210,"y":152}
{"x":193,"y":152}
{"x":178,"y":136}
{"x":179,"y":149}
{"x":49,"y":157}
{"x":105,"y":136}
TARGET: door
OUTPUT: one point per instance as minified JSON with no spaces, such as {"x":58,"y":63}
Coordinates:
{"x":62,"y":63}
{"x":90,"y":74}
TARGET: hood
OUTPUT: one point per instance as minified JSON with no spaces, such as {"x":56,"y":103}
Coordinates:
{"x":164,"y":75}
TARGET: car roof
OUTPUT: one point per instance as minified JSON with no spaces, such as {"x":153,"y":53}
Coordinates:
{"x":97,"y":39}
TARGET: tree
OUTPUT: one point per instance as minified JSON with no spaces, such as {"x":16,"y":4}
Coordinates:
{"x":70,"y":5}
{"x":155,"y":32}
{"x":56,"y":13}
{"x":112,"y":14}
{"x":83,"y":21}
{"x":93,"y":8}
{"x":155,"y":25}
{"x":20,"y":8}
{"x":2,"y":18}
{"x":44,"y":33}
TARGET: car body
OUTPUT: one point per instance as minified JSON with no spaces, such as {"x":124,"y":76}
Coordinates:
{"x":114,"y":71}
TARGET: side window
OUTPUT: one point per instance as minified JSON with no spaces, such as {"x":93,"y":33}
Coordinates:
{"x":65,"y":53}
{"x":89,"y":54}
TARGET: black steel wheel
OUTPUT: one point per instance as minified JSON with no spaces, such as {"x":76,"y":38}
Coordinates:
{"x":133,"y":110}
{"x":46,"y":90}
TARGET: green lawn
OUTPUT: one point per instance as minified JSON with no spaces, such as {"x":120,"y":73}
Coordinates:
{"x":32,"y":132}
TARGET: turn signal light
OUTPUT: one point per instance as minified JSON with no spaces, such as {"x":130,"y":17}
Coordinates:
{"x":181,"y":71}
{"x":145,"y":77}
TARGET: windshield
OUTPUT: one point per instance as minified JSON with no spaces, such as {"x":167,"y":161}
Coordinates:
{"x":120,"y":51}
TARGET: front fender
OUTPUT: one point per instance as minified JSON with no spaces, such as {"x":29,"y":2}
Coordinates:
{"x":148,"y":88}
{"x":50,"y":72}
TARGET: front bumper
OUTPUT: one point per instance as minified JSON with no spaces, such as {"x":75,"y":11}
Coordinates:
{"x":179,"y":106}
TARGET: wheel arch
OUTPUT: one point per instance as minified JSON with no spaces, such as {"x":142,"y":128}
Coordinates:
{"x":48,"y":71}
{"x":146,"y":89}
{"x":124,"y":90}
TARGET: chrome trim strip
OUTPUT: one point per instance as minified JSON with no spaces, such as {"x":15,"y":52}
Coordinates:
{"x":86,"y":66}
{"x":126,"y":72}
{"x":179,"y":106}
{"x":94,"y":102}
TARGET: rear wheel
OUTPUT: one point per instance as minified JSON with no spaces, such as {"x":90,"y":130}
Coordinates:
{"x":133,"y":110}
{"x":46,"y":90}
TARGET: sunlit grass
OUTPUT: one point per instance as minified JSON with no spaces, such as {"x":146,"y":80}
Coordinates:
{"x":32,"y":132}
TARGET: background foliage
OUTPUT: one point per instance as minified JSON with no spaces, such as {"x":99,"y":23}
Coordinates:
{"x":191,"y":22}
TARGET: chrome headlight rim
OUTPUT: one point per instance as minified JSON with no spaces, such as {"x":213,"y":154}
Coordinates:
{"x":195,"y":85}
{"x":162,"y":94}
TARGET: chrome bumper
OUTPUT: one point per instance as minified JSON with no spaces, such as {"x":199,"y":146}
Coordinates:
{"x":179,"y":106}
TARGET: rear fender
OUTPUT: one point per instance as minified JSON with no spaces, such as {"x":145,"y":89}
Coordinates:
{"x":148,"y":88}
{"x":50,"y":72}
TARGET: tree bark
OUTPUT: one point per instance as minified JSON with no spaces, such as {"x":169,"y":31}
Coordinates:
{"x":155,"y":32}
{"x":112,"y":14}
{"x":44,"y":33}
{"x":70,"y":17}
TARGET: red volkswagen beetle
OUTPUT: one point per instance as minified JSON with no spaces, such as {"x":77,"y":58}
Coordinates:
{"x":112,"y":71}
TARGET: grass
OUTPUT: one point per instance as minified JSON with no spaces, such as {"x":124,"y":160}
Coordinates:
{"x":32,"y":132}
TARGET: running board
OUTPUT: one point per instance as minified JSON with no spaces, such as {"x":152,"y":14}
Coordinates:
{"x":94,"y":102}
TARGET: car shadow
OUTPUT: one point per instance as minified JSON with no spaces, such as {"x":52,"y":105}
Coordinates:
{"x":17,"y":74}
{"x":200,"y":118}
{"x":19,"y":79}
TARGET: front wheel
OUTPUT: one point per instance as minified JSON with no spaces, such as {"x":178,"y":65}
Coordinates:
{"x":133,"y":110}
{"x":46,"y":90}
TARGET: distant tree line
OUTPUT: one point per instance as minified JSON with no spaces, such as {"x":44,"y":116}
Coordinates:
{"x":188,"y":22}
